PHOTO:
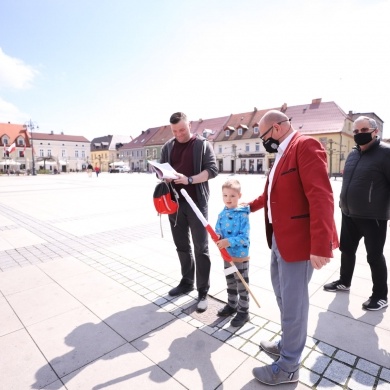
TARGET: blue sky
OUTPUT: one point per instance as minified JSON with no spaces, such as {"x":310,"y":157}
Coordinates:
{"x":122,"y":66}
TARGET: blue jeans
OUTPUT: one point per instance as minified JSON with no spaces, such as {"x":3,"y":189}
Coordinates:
{"x":290,"y":281}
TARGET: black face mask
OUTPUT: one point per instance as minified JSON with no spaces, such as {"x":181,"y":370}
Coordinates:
{"x":362,"y":138}
{"x":271,"y":145}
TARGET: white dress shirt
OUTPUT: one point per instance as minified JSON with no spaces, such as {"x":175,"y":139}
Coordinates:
{"x":280,"y":153}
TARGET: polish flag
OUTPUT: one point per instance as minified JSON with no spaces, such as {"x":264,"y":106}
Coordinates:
{"x":11,"y":148}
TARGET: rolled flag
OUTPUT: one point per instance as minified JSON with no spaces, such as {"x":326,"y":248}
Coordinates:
{"x":214,"y":236}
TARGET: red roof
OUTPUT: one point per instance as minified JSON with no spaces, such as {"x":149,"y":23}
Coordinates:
{"x":162,"y":135}
{"x":317,"y":118}
{"x":141,"y":140}
{"x":12,"y":131}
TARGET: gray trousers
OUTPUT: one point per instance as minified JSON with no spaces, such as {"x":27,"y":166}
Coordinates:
{"x":290,"y":281}
{"x":187,"y":222}
{"x":238,"y":296}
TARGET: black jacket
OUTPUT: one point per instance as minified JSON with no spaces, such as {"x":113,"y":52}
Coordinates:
{"x":365,"y":192}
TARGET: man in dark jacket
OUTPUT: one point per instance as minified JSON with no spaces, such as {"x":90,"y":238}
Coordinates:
{"x":193,"y":158}
{"x":365,"y":207}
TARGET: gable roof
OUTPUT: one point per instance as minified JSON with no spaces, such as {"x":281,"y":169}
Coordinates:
{"x":58,"y":137}
{"x":246,"y":121}
{"x":162,"y":135}
{"x":140,"y":141}
{"x":317,"y":117}
{"x":13,"y":131}
{"x":212,"y":126}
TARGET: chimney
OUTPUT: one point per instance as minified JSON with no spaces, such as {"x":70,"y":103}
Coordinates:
{"x":52,"y":132}
{"x":284,"y":107}
{"x":316,"y":101}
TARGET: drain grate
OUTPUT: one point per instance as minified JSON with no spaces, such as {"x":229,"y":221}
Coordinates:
{"x":209,"y":317}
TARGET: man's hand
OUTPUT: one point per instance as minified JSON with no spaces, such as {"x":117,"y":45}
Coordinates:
{"x":318,"y":262}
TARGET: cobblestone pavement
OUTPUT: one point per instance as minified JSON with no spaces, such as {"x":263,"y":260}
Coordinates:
{"x":108,"y":225}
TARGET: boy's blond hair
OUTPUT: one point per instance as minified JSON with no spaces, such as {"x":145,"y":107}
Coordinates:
{"x":232,"y":184}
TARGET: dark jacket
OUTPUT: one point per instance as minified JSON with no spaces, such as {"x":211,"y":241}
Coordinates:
{"x":365,"y":192}
{"x":204,"y":159}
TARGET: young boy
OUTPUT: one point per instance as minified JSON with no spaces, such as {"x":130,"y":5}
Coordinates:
{"x":233,"y":230}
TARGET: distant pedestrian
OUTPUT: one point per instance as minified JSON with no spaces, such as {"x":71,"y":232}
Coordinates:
{"x":97,"y":170}
{"x":89,"y":170}
{"x":233,"y":230}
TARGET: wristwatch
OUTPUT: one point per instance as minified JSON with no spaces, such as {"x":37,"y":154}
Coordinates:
{"x":190,"y":180}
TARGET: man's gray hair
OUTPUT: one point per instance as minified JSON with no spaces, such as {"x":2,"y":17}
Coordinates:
{"x":371,"y":121}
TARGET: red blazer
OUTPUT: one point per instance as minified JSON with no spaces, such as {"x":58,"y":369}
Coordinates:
{"x":301,"y":202}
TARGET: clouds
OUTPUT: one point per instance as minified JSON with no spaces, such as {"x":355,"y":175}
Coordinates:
{"x":14,"y":73}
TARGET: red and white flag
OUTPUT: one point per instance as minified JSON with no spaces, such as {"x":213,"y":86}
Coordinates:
{"x":11,"y":148}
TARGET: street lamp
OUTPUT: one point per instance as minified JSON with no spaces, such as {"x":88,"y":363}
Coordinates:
{"x":31,"y":126}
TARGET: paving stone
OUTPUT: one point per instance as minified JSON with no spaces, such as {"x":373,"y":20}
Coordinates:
{"x":361,"y":381}
{"x":337,"y":372}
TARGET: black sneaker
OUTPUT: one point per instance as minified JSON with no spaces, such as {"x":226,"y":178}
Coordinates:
{"x":226,"y":311}
{"x":336,"y":286}
{"x":375,"y":304}
{"x":202,"y":302}
{"x":182,"y":288}
{"x":240,"y":319}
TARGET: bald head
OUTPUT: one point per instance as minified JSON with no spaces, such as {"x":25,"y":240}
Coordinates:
{"x":271,"y":117}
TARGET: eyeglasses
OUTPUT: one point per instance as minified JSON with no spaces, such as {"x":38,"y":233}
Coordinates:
{"x":278,"y":123}
{"x":363,"y":130}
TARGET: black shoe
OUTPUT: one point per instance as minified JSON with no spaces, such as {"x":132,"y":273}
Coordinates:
{"x":375,"y":304}
{"x":240,"y":319}
{"x":182,"y":288}
{"x":226,"y":311}
{"x":336,"y":286}
{"x":202,"y":302}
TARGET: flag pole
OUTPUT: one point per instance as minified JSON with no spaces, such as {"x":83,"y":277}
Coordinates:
{"x":214,"y":236}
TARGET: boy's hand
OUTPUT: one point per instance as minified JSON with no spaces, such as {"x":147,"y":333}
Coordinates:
{"x":224,"y":243}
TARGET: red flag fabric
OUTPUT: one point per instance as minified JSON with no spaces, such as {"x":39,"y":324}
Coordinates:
{"x":11,"y":148}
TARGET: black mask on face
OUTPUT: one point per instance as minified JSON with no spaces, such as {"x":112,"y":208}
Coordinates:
{"x":363,"y":138}
{"x":271,"y":145}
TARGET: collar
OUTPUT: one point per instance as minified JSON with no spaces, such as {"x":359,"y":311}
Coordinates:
{"x":283,"y":146}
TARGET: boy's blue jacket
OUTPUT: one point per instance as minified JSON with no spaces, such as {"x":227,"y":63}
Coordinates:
{"x":233,"y":224}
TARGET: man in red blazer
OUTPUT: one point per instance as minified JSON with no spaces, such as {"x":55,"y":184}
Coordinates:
{"x":301,"y":233}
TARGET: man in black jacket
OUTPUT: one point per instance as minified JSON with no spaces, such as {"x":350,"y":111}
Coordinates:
{"x":365,"y":207}
{"x":193,"y":158}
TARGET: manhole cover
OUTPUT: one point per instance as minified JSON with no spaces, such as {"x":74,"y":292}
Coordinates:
{"x":209,"y":317}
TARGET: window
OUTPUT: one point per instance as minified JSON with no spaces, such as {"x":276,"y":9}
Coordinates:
{"x":147,"y":153}
{"x":247,"y":147}
{"x":227,"y":133}
{"x":41,"y":153}
{"x":154,"y":153}
{"x":239,"y":132}
{"x":20,"y":142}
{"x":219,"y":148}
{"x":21,"y":153}
{"x":63,"y":153}
{"x":76,"y":153}
{"x":257,"y":146}
{"x":5,"y":141}
{"x":83,"y":153}
{"x":49,"y":152}
{"x":256,"y":130}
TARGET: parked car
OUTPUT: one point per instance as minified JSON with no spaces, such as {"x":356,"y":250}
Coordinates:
{"x":124,"y":169}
